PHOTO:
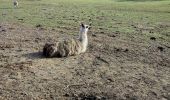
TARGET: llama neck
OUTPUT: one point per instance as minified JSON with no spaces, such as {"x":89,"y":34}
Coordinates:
{"x":84,"y":40}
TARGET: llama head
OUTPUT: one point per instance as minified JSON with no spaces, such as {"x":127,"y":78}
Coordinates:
{"x":84,"y":28}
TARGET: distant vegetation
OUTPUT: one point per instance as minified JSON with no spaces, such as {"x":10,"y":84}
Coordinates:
{"x":141,"y":0}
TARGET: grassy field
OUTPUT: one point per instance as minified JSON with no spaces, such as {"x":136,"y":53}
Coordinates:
{"x":109,"y":15}
{"x":128,"y":55}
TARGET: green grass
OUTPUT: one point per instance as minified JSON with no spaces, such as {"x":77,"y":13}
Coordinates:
{"x":110,"y":15}
{"x":141,"y":0}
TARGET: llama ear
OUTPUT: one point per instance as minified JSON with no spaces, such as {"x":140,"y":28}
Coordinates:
{"x":90,"y":27}
{"x":82,"y":25}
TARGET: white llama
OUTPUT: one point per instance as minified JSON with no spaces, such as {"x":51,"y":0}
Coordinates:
{"x":68,"y":47}
{"x":15,"y":2}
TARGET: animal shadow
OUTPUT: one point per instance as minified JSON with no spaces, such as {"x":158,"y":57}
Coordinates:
{"x":34,"y":55}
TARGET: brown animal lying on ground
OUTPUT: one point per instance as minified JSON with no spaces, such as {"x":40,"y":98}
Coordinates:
{"x":68,"y":47}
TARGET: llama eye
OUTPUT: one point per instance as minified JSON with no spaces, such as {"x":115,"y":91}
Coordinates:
{"x":87,"y":26}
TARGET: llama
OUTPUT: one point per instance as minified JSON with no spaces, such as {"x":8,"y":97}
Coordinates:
{"x":15,"y":2}
{"x":68,"y":47}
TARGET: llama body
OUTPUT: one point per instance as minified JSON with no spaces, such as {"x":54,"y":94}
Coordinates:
{"x":68,"y":47}
{"x":63,"y":48}
{"x":15,"y":2}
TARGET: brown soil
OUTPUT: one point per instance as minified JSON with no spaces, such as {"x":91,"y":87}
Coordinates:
{"x":114,"y":67}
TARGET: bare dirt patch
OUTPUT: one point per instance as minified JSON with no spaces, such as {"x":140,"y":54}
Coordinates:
{"x":112,"y":68}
